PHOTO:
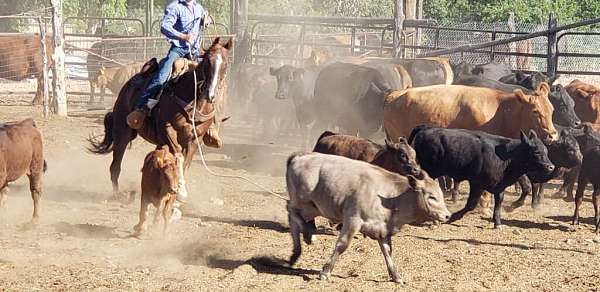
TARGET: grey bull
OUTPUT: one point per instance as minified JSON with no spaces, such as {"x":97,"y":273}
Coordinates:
{"x":361,"y":196}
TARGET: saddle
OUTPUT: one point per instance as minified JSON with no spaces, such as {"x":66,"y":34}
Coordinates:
{"x":180,"y":67}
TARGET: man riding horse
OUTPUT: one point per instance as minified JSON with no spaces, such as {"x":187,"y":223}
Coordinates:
{"x":182,"y":24}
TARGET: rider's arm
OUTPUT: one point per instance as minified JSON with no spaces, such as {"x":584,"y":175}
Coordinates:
{"x":167,"y":26}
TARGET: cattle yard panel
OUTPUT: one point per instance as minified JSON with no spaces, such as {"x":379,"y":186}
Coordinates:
{"x":17,"y":74}
{"x":556,"y":50}
{"x":276,"y":38}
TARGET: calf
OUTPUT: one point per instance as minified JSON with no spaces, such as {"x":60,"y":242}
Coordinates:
{"x":395,"y":157}
{"x":21,"y":153}
{"x":589,"y":173}
{"x":364,"y":197}
{"x":489,"y":162}
{"x":564,"y":154}
{"x":159,"y":187}
{"x":564,"y":107}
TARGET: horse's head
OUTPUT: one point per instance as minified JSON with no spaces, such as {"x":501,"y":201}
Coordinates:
{"x":213,"y":67}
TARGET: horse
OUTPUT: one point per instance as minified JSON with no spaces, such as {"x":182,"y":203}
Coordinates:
{"x":170,"y":123}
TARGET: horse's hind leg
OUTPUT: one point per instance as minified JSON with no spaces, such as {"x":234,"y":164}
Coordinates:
{"x":119,"y":147}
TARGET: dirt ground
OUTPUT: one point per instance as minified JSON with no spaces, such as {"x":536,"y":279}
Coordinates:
{"x":233,"y":236}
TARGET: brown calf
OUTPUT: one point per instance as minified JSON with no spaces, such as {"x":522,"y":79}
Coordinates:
{"x":21,"y":153}
{"x":395,"y":157}
{"x":159,"y":187}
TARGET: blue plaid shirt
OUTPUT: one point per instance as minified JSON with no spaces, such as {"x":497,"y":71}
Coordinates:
{"x":180,"y":19}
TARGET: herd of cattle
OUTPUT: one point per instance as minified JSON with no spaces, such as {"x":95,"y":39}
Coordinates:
{"x":484,"y":124}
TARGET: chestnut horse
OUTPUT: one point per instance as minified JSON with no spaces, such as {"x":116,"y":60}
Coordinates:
{"x":170,"y":124}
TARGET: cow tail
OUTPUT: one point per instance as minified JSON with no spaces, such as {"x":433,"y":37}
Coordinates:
{"x":415,"y":131}
{"x":45,"y":168}
{"x":104,"y":146}
{"x":391,"y":95}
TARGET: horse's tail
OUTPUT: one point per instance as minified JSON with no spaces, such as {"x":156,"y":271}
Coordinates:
{"x":106,"y":145}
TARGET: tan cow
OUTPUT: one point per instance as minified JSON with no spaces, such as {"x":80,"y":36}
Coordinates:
{"x":363,"y":197}
{"x":472,"y":108}
{"x":587,"y":100}
{"x":112,"y":78}
{"x":159,"y":187}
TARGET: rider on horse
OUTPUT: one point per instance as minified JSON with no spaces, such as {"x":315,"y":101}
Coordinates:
{"x":182,"y":24}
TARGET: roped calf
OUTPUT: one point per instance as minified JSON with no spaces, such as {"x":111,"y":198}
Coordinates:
{"x":489,"y":162}
{"x":396,"y":157}
{"x":364,"y":197}
{"x":159,"y":187}
{"x":21,"y":153}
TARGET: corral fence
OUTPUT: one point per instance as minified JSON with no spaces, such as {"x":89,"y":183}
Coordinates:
{"x":566,"y":50}
{"x":277,"y":39}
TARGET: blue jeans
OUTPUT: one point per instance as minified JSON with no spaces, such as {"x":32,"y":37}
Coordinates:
{"x":164,"y":70}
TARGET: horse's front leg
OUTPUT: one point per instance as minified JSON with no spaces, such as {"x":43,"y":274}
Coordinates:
{"x":174,"y":136}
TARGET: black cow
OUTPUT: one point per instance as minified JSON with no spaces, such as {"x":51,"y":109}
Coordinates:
{"x":587,"y":138}
{"x":298,"y":84}
{"x":564,"y":154}
{"x":351,"y":97}
{"x":564,"y":107}
{"x":589,"y":173}
{"x":489,"y":162}
{"x":530,"y":81}
{"x":492,"y":70}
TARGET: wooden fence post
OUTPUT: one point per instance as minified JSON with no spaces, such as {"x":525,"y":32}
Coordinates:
{"x":45,"y":93}
{"x":398,"y":27}
{"x":58,"y":60}
{"x":552,"y":58}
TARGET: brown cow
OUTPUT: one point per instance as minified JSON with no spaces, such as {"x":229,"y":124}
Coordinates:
{"x":113,"y":77}
{"x":395,"y":157}
{"x":21,"y":58}
{"x":159,"y":187}
{"x":587,"y":100}
{"x":471,"y":108}
{"x":22,"y":154}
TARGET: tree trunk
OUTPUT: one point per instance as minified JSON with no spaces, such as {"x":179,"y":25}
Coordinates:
{"x":58,"y":60}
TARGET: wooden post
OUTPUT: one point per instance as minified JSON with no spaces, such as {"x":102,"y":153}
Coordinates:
{"x":552,"y":58}
{"x":512,"y":46}
{"x":398,"y":27}
{"x":58,"y":60}
{"x":45,"y":93}
{"x":238,"y":27}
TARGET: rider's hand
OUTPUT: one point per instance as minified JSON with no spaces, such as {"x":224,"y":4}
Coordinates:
{"x":187,"y":37}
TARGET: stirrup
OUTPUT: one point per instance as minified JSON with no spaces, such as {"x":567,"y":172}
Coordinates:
{"x":136,"y":118}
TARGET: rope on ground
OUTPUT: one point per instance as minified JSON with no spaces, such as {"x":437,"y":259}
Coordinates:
{"x":202,"y":154}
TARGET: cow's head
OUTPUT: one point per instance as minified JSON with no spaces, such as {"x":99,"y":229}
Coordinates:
{"x":565,"y":152}
{"x":534,"y":156}
{"x":587,"y":100}
{"x":288,"y":79}
{"x":401,"y":158}
{"x":537,"y":111}
{"x":430,"y":204}
{"x":564,"y":107}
